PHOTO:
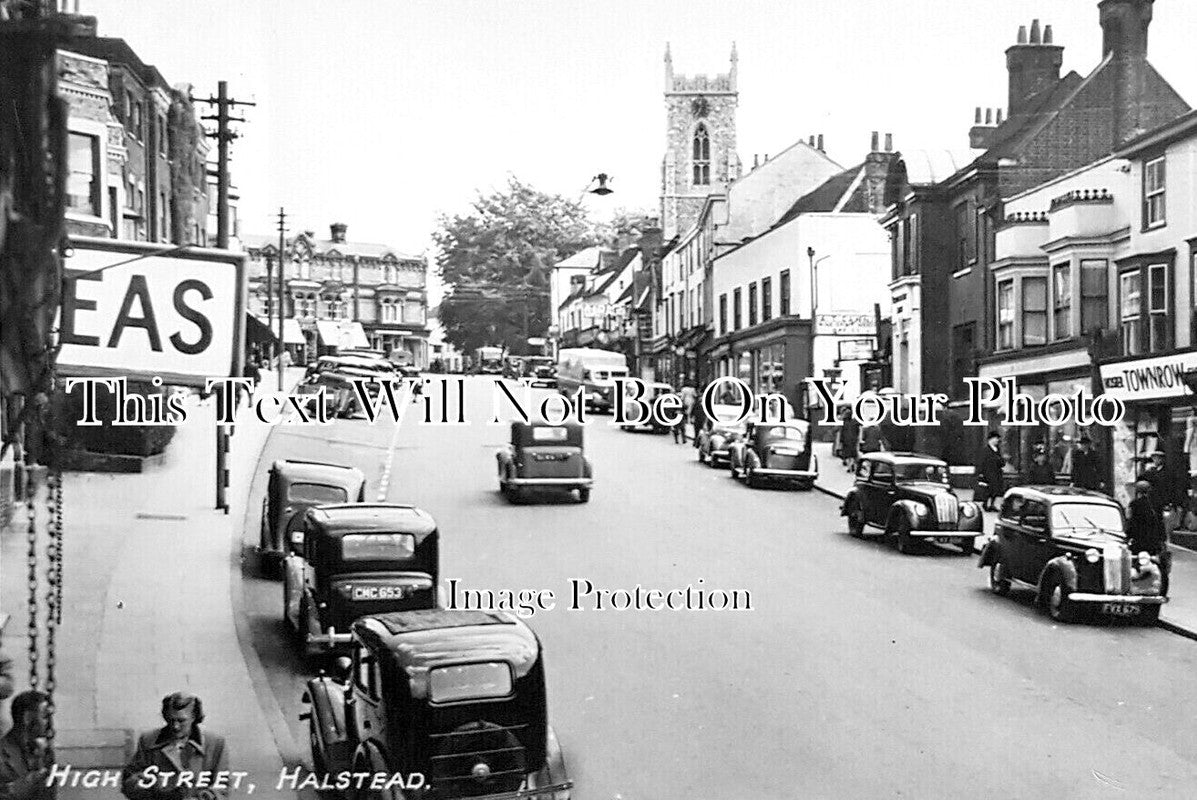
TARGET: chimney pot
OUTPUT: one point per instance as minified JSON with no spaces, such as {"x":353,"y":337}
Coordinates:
{"x":820,"y":143}
{"x":338,"y":231}
{"x":811,"y":140}
{"x":989,"y":116}
{"x":999,"y":116}
{"x":876,"y":141}
{"x":889,"y":142}
{"x":756,"y":160}
{"x":977,"y":119}
{"x":1047,"y":34}
{"x":1036,"y":38}
{"x":1022,"y":34}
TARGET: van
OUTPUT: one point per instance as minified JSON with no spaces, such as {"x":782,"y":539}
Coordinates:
{"x":593,"y":370}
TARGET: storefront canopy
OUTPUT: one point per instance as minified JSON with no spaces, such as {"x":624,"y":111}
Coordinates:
{"x":260,"y":331}
{"x":343,"y":335}
{"x":291,"y":332}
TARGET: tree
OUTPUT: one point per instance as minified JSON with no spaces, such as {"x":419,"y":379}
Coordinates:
{"x":496,"y":261}
{"x":625,"y":227}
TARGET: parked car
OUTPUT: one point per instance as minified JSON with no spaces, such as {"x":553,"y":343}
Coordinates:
{"x":293,"y":487}
{"x":340,"y":392}
{"x":907,"y":497}
{"x":1070,"y":546}
{"x":717,"y":435}
{"x":544,"y":456}
{"x":774,"y":452}
{"x":540,"y":372}
{"x":353,"y":560}
{"x":652,"y":390}
{"x":455,"y":696}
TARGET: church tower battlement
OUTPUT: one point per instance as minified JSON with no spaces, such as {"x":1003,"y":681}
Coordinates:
{"x":700,"y":142}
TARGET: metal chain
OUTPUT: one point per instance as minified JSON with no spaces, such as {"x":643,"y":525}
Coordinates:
{"x":31,"y":512}
{"x":54,"y":589}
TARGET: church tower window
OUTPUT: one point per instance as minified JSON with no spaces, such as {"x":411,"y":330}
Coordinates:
{"x":702,"y":156}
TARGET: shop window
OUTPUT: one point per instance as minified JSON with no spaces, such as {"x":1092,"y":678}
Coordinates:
{"x":1005,"y":315}
{"x":783,"y":304}
{"x":751,"y":304}
{"x":1159,"y":322}
{"x":1130,"y":285}
{"x":766,"y":299}
{"x":1034,"y":311}
{"x":1094,"y":295}
{"x":83,"y":183}
{"x":722,"y":315}
{"x":736,"y":319}
{"x":1061,"y":301}
{"x":1154,"y":186}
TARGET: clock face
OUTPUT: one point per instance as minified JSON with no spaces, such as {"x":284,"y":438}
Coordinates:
{"x":700,"y":107}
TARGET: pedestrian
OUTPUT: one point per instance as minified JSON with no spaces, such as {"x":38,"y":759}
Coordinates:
{"x":990,"y":478}
{"x":689,"y":395}
{"x":1086,"y":468}
{"x":870,"y":439}
{"x":698,"y":419}
{"x":179,"y":746}
{"x":1161,"y":484}
{"x":1041,"y":472}
{"x":252,"y":372}
{"x":6,"y":684}
{"x":1145,"y":530}
{"x":850,"y":438}
{"x":25,"y":755}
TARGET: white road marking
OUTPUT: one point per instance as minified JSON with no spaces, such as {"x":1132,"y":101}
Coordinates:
{"x":385,"y":481}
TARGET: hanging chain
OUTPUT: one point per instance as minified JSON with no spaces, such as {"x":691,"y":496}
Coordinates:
{"x":31,"y":512}
{"x":53,"y":588}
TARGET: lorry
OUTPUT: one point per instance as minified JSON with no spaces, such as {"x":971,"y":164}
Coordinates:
{"x":488,"y":361}
{"x":593,"y":370}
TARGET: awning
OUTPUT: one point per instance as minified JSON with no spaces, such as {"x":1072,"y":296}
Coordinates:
{"x":291,"y":332}
{"x":256,"y":332}
{"x":343,"y":335}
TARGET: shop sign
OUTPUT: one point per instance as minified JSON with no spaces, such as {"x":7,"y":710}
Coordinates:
{"x":846,"y":324}
{"x":127,"y":312}
{"x":856,"y":350}
{"x":1148,"y":378}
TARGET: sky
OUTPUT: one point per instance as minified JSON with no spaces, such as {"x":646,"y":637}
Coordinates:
{"x":385,"y":114}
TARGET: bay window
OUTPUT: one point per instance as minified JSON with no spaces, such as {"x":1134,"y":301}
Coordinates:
{"x":1034,"y":311}
{"x":1061,"y":301}
{"x":1005,"y":315}
{"x":83,"y":182}
{"x":1159,"y":331}
{"x":1128,"y":298}
{"x":1094,"y":295}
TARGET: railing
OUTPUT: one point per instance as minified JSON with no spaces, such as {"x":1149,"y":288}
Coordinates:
{"x":1092,"y":196}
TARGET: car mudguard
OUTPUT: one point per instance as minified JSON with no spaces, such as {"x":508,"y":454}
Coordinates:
{"x":976,"y":523}
{"x":900,"y":509}
{"x":552,"y":781}
{"x":1063,"y":566}
{"x":850,"y":499}
{"x":989,"y":554}
{"x":587,"y":470}
{"x":328,"y":723}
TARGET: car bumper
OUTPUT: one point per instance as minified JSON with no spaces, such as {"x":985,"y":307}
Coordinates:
{"x":542,"y":384}
{"x":795,"y":474}
{"x":720,"y":455}
{"x":330,"y":639}
{"x":954,"y":533}
{"x":573,"y":483}
{"x":1135,"y":599}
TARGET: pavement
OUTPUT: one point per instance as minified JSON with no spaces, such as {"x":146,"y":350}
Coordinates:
{"x":149,"y":573}
{"x":1179,"y":615}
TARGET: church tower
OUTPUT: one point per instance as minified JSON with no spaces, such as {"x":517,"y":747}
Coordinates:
{"x":700,"y":143}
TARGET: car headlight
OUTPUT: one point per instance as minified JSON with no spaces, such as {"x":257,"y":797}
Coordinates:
{"x":1144,"y":558}
{"x":968,"y":510}
{"x":1092,"y":555}
{"x":921,"y":511}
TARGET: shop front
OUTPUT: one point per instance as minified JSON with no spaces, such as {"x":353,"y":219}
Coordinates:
{"x":771,"y":358}
{"x":1161,"y":417}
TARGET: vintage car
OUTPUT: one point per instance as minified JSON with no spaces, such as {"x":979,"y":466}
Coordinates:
{"x":544,"y":456}
{"x":908,"y":498}
{"x":774,"y":452}
{"x":540,"y":372}
{"x":652,"y":390}
{"x":353,"y":560}
{"x":1070,"y":546}
{"x":719,"y":433}
{"x":457,"y":697}
{"x":293,"y":487}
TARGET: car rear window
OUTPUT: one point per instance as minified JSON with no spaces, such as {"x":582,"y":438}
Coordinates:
{"x":318,"y":493}
{"x":550,"y":434}
{"x":377,"y":546}
{"x":770,"y":434}
{"x":1083,"y":520}
{"x":470,"y":682}
{"x":922,"y":472}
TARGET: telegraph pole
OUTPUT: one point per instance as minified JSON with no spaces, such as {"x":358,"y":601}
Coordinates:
{"x":282,"y":305}
{"x":223,"y":136}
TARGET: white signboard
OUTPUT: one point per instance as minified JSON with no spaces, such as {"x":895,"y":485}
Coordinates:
{"x":1148,"y":378}
{"x":856,"y":349}
{"x":178,"y":316}
{"x":846,"y":324}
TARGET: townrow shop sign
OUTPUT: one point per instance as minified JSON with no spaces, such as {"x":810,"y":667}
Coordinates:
{"x":1148,"y":378}
{"x":846,"y":324}
{"x":129,"y":312}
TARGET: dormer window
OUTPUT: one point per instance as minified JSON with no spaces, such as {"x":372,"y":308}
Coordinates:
{"x":702,"y":156}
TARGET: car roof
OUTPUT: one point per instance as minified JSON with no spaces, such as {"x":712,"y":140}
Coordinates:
{"x":888,"y":457}
{"x":421,"y":640}
{"x":1064,"y":494}
{"x":319,"y":471}
{"x":366,"y":517}
{"x":536,"y":422}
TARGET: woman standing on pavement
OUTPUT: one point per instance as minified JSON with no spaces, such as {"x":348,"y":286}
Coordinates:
{"x":849,"y":438}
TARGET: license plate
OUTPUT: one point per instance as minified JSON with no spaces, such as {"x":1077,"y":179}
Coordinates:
{"x":1120,"y":609}
{"x":378,"y":592}
{"x":946,"y":539}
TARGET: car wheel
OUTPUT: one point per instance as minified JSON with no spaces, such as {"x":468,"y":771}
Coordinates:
{"x":1055,"y":598}
{"x":584,"y":494}
{"x":966,"y":547}
{"x":999,"y":579}
{"x":750,"y":477}
{"x":731,"y":467}
{"x":905,"y":541}
{"x":286,"y":603}
{"x":856,"y":521}
{"x":702,"y":457}
{"x":319,"y":766}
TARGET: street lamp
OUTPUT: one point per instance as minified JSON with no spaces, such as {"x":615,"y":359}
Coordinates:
{"x":602,"y":190}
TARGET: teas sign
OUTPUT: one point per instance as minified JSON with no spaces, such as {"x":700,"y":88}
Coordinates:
{"x":178,"y":316}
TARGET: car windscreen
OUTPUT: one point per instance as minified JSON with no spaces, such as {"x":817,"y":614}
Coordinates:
{"x":777,"y":433}
{"x":318,"y":493}
{"x":377,"y":546}
{"x":469,"y":682}
{"x":1085,"y":520}
{"x":934,"y":473}
{"x":608,"y":374}
{"x":550,"y":434}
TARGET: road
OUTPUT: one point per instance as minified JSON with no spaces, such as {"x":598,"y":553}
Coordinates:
{"x":859,"y":673}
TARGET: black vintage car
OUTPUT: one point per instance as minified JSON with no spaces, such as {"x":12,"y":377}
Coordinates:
{"x":540,"y":372}
{"x":293,"y":487}
{"x":355,"y":560}
{"x":544,"y":456}
{"x":455,"y":696}
{"x":716,"y":436}
{"x":650,"y":422}
{"x":777,"y":452}
{"x":1070,"y":545}
{"x":907,"y":497}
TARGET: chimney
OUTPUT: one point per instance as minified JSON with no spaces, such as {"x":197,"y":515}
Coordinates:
{"x":889,"y":143}
{"x":1033,"y":65}
{"x":981,"y":133}
{"x":338,"y":231}
{"x":819,"y":146}
{"x":876,"y":170}
{"x":756,"y":160}
{"x":1124,"y":40}
{"x":875,"y":144}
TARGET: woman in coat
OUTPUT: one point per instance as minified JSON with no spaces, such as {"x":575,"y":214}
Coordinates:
{"x":990,"y":480}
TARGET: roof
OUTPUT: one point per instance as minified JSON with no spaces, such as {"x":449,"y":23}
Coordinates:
{"x":1064,"y":494}
{"x":929,"y":167}
{"x":322,"y":472}
{"x":824,"y":198}
{"x":421,"y":640}
{"x":904,"y":458}
{"x":1007,"y":139}
{"x":117,"y":51}
{"x":364,"y":517}
{"x":327,"y":247}
{"x":585,"y":259}
{"x":1179,"y":128}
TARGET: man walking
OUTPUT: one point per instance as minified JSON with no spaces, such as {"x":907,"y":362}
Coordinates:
{"x":1145,"y":530}
{"x":989,"y":472}
{"x":1086,"y":468}
{"x":25,"y":756}
{"x":178,"y":746}
{"x":1041,"y":472}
